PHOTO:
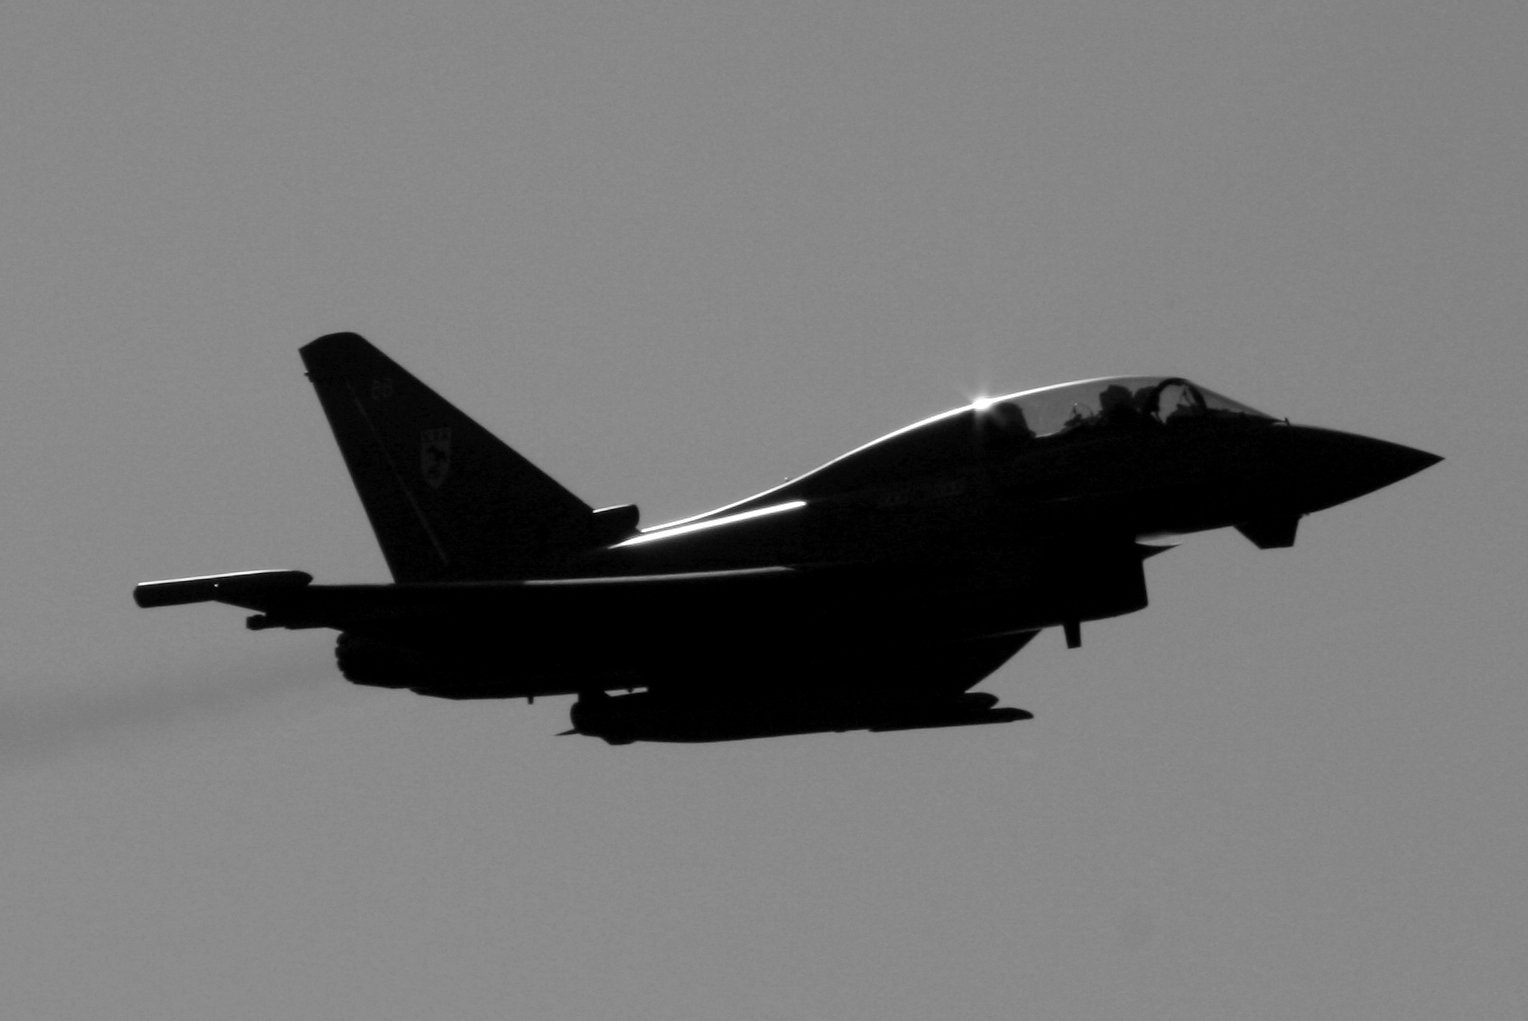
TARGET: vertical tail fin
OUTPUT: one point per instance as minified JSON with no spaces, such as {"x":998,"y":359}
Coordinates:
{"x":446,"y":498}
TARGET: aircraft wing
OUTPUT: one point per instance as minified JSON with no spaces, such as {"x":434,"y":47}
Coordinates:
{"x":289,"y":599}
{"x":841,"y":605}
{"x":721,"y":654}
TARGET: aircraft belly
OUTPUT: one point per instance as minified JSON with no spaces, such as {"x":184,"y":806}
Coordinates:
{"x":518,"y":641}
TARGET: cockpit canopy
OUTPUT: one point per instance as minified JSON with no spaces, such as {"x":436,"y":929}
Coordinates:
{"x":995,"y":427}
{"x":1113,"y":400}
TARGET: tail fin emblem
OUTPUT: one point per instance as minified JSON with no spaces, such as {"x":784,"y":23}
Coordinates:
{"x":435,"y":456}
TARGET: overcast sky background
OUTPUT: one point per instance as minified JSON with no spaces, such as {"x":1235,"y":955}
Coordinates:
{"x":674,"y":252}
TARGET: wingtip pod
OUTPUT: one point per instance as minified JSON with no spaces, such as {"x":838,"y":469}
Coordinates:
{"x":244,"y":588}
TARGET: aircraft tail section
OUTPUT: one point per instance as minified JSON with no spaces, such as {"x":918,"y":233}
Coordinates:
{"x":446,"y":498}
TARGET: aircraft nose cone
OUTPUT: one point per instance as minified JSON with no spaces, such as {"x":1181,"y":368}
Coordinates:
{"x":1392,"y":462}
{"x":1333,"y":467}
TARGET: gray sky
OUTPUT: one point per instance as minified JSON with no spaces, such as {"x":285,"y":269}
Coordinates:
{"x":674,"y":252}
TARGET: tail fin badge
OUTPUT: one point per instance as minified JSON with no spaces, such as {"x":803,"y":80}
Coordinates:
{"x":435,"y":456}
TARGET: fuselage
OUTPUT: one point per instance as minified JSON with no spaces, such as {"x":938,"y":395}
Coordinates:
{"x":901,"y":572}
{"x":1003,"y":517}
{"x":1121,"y":458}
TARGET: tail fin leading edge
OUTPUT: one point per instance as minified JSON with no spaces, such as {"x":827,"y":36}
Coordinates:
{"x":446,"y":498}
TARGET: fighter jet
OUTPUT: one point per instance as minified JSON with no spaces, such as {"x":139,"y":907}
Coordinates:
{"x":871,"y":593}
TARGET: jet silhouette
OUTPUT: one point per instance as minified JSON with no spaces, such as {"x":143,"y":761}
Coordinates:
{"x":870,"y":593}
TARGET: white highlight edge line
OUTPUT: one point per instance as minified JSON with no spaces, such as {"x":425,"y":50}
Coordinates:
{"x":697,"y":526}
